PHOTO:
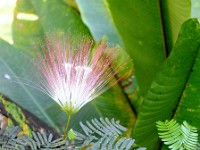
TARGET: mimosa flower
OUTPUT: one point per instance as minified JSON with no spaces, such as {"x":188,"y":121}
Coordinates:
{"x":73,"y":74}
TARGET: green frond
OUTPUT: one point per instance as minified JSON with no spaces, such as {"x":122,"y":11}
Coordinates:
{"x":98,"y":135}
{"x":111,"y":142}
{"x":190,"y":136}
{"x":102,"y":127}
{"x":10,"y":140}
{"x":8,"y":134}
{"x":104,"y":134}
{"x":178,"y":136}
{"x":169,"y":132}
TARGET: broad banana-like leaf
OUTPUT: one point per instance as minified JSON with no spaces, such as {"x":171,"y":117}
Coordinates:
{"x":96,"y":15}
{"x":174,"y":13}
{"x":138,"y":22}
{"x":188,"y":107}
{"x":162,"y":99}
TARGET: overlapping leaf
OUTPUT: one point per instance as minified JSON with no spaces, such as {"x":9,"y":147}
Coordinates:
{"x":168,"y":85}
{"x":139,"y":25}
{"x":97,"y":17}
{"x":188,"y":107}
{"x":174,"y":13}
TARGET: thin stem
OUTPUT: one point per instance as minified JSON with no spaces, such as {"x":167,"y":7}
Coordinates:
{"x":67,"y":126}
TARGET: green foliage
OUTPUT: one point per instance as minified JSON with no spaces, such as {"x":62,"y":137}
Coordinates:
{"x":168,"y":85}
{"x":100,"y":134}
{"x":174,"y":14}
{"x":53,"y":16}
{"x":105,"y":134}
{"x":99,"y":20}
{"x":11,"y":140}
{"x":21,"y":71}
{"x":188,"y":107}
{"x":148,"y":30}
{"x":47,"y":12}
{"x":177,"y":136}
{"x":136,"y":23}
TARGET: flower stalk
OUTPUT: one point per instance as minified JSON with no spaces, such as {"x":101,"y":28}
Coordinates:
{"x":67,"y":126}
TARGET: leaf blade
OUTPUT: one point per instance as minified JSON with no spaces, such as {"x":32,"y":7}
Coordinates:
{"x":147,"y":52}
{"x":169,"y":82}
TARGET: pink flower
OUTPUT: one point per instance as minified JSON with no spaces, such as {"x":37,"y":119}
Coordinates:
{"x":74,"y":74}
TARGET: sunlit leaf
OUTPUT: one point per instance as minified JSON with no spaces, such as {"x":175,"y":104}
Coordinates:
{"x":138,"y":22}
{"x":97,"y":17}
{"x":174,"y":13}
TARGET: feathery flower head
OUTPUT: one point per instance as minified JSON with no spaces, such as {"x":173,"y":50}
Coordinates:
{"x":73,"y":73}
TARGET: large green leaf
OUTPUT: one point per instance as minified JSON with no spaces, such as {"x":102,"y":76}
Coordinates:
{"x":53,"y":16}
{"x":56,"y":16}
{"x":26,"y":28}
{"x":13,"y":66}
{"x":97,"y":17}
{"x":188,"y":108}
{"x":139,"y":25}
{"x":168,"y":85}
{"x":174,"y":13}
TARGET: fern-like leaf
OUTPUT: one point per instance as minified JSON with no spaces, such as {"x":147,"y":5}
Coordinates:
{"x":112,"y":143}
{"x":170,"y":133}
{"x":8,"y":134}
{"x":98,"y":135}
{"x":102,"y":127}
{"x":178,"y":136}
{"x":190,"y":136}
{"x":104,"y":134}
{"x":9,"y":139}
